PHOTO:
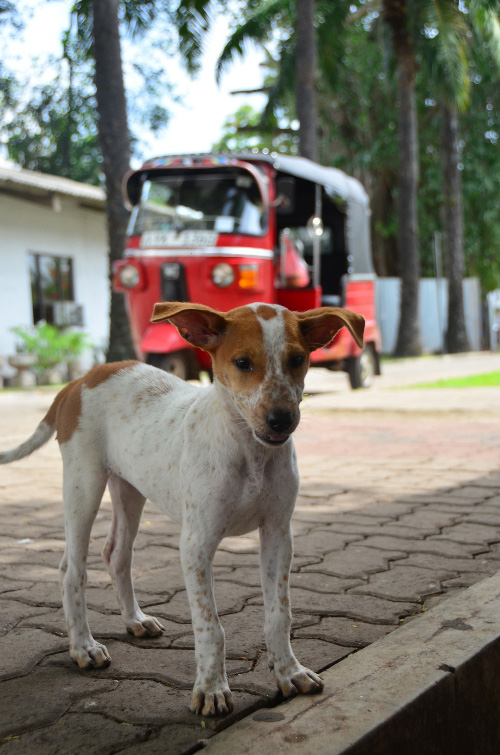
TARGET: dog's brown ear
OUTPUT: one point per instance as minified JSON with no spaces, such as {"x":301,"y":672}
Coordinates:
{"x":199,"y":325}
{"x":319,"y":326}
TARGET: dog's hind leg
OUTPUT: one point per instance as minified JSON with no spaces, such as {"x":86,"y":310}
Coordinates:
{"x":128,"y":504}
{"x":83,"y":487}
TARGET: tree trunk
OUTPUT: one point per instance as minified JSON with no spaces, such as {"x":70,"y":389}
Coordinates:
{"x":408,"y":341}
{"x":115,"y":149}
{"x":305,"y":79}
{"x":456,"y":334}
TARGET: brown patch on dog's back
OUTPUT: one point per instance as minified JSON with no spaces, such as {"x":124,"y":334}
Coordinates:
{"x":66,"y":408}
{"x":266,"y":312}
{"x":102,"y":372}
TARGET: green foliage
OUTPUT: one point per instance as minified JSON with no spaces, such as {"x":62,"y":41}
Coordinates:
{"x":50,"y":345}
{"x":56,"y":131}
{"x":244,"y":131}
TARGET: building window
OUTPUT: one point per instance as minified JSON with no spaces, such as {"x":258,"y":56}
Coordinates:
{"x":51,"y":282}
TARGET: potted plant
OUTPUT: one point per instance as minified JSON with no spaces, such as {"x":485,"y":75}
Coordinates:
{"x":51,"y":348}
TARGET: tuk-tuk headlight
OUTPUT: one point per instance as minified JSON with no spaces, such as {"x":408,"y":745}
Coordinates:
{"x":129,"y":276}
{"x":223,"y":275}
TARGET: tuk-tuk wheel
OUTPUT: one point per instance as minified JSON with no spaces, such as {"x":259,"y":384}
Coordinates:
{"x":177,"y":363}
{"x":362,"y":368}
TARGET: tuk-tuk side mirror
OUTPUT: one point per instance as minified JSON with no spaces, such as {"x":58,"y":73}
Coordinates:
{"x":315,"y":227}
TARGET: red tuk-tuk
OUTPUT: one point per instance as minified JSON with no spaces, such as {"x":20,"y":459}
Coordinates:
{"x":228,"y":230}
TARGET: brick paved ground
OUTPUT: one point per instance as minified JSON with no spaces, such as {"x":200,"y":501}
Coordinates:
{"x":397,"y":511}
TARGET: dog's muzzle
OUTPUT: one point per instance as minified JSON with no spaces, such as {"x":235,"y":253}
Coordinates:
{"x":281,"y":424}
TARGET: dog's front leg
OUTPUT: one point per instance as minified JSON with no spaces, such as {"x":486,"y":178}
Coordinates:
{"x":276,"y":551}
{"x":211,"y":694}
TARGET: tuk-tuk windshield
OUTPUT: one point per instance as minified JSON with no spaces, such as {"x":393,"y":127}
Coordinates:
{"x":228,"y":202}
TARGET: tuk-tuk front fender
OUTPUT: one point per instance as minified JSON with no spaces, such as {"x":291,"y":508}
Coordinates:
{"x":162,"y":338}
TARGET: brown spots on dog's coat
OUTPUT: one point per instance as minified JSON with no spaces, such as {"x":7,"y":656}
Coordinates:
{"x":266,"y":312}
{"x":65,"y":411}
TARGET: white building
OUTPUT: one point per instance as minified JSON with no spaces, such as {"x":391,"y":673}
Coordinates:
{"x":53,"y":256}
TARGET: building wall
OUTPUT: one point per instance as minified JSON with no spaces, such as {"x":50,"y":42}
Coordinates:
{"x":79,"y":233}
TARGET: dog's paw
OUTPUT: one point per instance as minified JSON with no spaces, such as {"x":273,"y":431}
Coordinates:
{"x":147,"y":626}
{"x":218,"y":703}
{"x":302,"y":681}
{"x":91,"y":656}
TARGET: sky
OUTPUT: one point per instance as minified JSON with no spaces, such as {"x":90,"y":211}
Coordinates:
{"x":196,"y":122}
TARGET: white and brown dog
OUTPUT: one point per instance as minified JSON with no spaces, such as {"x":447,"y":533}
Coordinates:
{"x":220,"y":461}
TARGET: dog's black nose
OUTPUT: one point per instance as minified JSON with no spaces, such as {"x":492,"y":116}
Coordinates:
{"x":279,"y":420}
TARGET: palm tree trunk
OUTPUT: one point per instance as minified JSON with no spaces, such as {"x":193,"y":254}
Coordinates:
{"x":115,"y":149}
{"x":456,"y":334}
{"x":305,"y":79}
{"x":408,"y":340}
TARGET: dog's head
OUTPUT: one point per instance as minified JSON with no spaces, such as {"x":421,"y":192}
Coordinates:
{"x":260,"y":353}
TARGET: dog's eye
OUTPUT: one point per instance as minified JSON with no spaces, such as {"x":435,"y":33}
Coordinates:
{"x":296,"y":361}
{"x":244,"y":364}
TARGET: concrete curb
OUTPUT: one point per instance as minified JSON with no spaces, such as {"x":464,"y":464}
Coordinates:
{"x":432,"y":686}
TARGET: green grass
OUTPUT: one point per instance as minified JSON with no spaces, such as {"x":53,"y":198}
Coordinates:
{"x":487,"y":380}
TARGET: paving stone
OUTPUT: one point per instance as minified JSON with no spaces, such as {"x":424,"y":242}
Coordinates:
{"x":321,"y":541}
{"x":430,"y":545}
{"x":391,"y":510}
{"x":362,"y":607}
{"x":428,"y":517}
{"x":31,"y":572}
{"x":12,"y":613}
{"x":345,"y":632}
{"x":318,"y":654}
{"x":173,"y":667}
{"x":352,"y":517}
{"x":12,"y":585}
{"x":104,"y":626}
{"x":244,"y":632}
{"x":250,"y":577}
{"x":229,"y":598}
{"x":24,"y":648}
{"x":403,"y":582}
{"x":432,"y":561}
{"x":139,"y":701}
{"x":473,"y":493}
{"x":393,"y":529}
{"x":356,"y":561}
{"x":323,"y":583}
{"x":315,"y":654}
{"x":469,"y":533}
{"x":41,"y":698}
{"x":466,"y":579}
{"x":493,"y":554}
{"x":89,"y":734}
{"x":479,"y":516}
{"x":174,"y":739}
{"x":145,"y":702}
{"x":168,"y":579}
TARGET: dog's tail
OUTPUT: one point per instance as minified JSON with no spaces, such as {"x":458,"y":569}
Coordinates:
{"x":42,"y":434}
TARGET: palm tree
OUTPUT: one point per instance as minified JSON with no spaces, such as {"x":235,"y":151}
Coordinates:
{"x":305,"y":78}
{"x":457,"y":33}
{"x":396,"y":14}
{"x":301,"y":46}
{"x":99,"y":32}
{"x":115,"y":148}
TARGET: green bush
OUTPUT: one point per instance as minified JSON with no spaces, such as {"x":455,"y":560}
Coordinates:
{"x":50,"y":345}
